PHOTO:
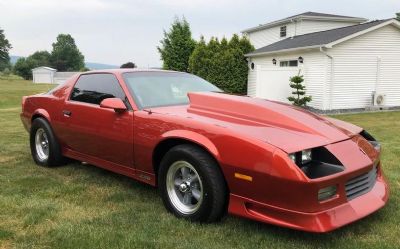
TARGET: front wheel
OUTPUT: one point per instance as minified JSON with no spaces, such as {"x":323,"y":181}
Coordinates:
{"x":192,"y":185}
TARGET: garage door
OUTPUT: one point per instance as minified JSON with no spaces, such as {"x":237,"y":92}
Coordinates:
{"x":273,"y":83}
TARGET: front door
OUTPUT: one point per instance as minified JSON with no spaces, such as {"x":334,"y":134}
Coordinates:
{"x":95,"y":131}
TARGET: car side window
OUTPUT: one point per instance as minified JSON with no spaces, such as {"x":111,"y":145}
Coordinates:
{"x":93,"y":88}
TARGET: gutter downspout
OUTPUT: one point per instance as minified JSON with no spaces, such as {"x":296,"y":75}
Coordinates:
{"x":331,"y":79}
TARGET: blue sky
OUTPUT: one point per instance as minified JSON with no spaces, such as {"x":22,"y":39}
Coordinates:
{"x":117,"y":31}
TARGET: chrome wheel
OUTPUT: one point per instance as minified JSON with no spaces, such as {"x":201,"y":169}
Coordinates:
{"x":184,"y":187}
{"x":41,"y":144}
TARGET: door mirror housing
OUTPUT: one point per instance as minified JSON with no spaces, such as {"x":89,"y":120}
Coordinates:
{"x":113,"y":103}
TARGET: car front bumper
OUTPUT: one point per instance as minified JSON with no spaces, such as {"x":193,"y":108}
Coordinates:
{"x":323,"y":221}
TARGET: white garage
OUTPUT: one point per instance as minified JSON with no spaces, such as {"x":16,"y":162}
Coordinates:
{"x":43,"y":75}
{"x":50,"y":75}
{"x":349,"y":67}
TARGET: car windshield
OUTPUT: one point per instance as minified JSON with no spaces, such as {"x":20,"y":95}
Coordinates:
{"x":153,"y":89}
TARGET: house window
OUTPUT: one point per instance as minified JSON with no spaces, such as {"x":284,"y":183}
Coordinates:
{"x":288,"y":63}
{"x":283,"y":31}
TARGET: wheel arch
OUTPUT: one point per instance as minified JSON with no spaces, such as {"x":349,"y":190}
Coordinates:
{"x":177,"y":137}
{"x":41,"y":113}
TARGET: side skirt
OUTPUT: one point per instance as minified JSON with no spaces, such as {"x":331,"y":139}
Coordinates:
{"x":114,"y":167}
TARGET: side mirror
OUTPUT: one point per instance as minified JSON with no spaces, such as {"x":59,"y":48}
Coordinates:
{"x":113,"y":103}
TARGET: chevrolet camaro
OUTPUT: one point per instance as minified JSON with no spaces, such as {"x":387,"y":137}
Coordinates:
{"x":209,"y":152}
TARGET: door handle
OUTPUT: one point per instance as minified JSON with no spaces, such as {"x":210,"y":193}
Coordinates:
{"x":67,"y":113}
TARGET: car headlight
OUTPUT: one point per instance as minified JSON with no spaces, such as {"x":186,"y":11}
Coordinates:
{"x":302,"y":157}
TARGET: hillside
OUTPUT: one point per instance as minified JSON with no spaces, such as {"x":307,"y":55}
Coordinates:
{"x":90,"y":65}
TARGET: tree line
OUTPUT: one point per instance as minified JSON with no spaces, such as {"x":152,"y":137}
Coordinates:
{"x":221,"y":62}
{"x":64,"y":56}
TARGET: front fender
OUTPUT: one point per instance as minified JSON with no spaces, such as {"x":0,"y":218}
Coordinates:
{"x":195,"y":138}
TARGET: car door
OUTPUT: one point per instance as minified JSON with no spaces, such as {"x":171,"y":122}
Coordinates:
{"x":95,"y":131}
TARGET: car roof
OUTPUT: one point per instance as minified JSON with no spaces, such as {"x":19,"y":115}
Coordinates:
{"x":129,"y":70}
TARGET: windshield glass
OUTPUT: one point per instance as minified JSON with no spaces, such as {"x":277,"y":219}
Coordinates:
{"x":152,"y":89}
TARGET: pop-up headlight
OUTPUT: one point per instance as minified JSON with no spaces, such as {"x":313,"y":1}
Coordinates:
{"x":371,"y":140}
{"x":302,"y":157}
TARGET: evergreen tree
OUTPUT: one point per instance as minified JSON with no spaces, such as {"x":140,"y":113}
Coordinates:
{"x":222,"y":62}
{"x":299,"y":92}
{"x":177,"y":46}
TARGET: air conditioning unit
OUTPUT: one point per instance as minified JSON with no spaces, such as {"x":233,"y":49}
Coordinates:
{"x":379,"y":98}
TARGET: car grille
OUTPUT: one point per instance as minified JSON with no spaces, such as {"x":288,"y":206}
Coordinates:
{"x":361,"y":184}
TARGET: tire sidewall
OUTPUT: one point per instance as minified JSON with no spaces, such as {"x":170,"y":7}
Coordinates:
{"x":53,"y":144}
{"x":182,"y":155}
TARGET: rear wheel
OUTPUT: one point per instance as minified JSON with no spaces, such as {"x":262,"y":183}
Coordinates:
{"x":192,"y":185}
{"x":45,"y":148}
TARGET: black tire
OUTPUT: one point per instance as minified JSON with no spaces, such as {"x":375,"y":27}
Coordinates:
{"x":55,"y":157}
{"x":215,"y":193}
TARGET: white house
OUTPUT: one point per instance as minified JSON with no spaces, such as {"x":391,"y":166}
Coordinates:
{"x":346,"y":61}
{"x":50,"y":75}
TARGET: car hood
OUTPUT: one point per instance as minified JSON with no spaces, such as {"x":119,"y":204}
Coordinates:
{"x":284,"y":126}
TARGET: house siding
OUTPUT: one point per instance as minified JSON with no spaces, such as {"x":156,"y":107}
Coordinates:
{"x":262,"y":38}
{"x":365,"y":64}
{"x":310,"y":26}
{"x":314,"y":70}
{"x":251,"y":82}
{"x":268,"y":36}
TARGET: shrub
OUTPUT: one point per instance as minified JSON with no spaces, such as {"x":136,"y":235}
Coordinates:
{"x":300,"y":99}
{"x":222,"y":62}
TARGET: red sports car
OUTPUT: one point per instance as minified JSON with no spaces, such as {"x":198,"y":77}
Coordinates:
{"x":209,"y":152}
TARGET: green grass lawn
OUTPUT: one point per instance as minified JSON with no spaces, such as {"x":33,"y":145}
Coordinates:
{"x":81,"y":206}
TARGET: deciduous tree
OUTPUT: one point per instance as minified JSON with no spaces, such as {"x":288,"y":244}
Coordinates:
{"x":41,"y":58}
{"x":23,"y":67}
{"x":128,"y":65}
{"x":5,"y":47}
{"x":65,"y":55}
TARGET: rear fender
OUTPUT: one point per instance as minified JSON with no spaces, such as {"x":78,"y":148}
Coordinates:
{"x":43,"y":113}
